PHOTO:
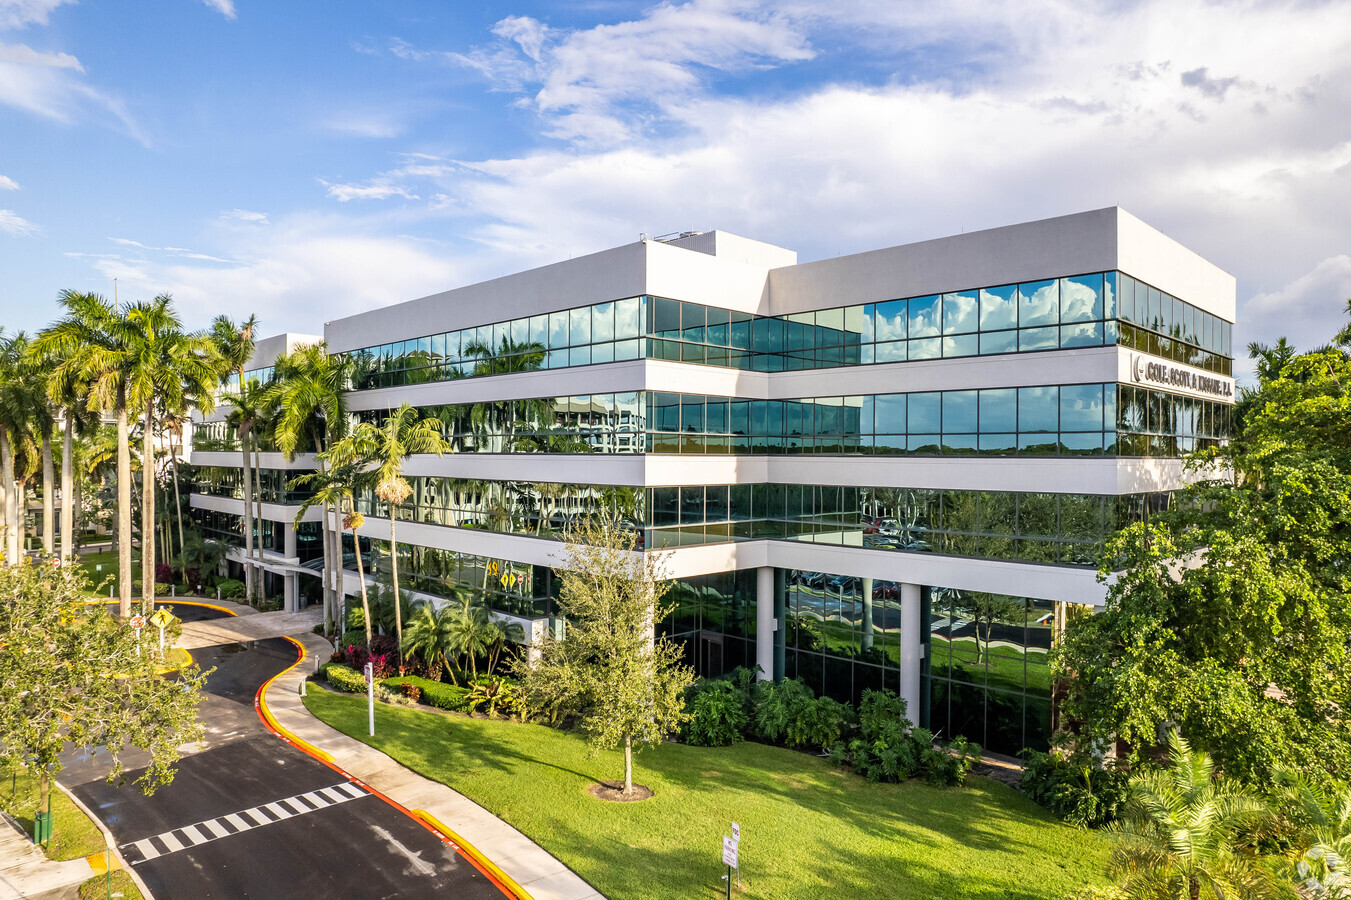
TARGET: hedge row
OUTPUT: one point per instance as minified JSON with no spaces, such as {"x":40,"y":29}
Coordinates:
{"x":436,"y":693}
{"x":344,"y":678}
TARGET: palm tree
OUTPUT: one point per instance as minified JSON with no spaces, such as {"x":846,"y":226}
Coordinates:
{"x":309,"y":394}
{"x":170,"y":366}
{"x":430,"y":635}
{"x":94,"y":342}
{"x":202,"y":554}
{"x":384,"y":447}
{"x":472,"y":634}
{"x":68,"y":393}
{"x":336,"y":487}
{"x":1190,"y":835}
{"x":247,"y":410}
{"x":22,"y":406}
{"x":1320,"y":819}
{"x":234,"y":346}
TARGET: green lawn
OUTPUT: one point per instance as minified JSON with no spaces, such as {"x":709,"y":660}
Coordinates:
{"x":91,"y":561}
{"x":73,"y":834}
{"x":809,"y":830}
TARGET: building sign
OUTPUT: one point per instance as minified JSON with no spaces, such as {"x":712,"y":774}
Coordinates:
{"x":1151,"y":371}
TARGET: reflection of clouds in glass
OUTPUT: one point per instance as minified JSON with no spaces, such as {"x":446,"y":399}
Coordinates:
{"x":603,"y":322}
{"x":924,"y":316}
{"x":1039,"y":303}
{"x":999,"y":308}
{"x":1078,"y":301}
{"x":891,"y":321}
{"x":959,"y":313}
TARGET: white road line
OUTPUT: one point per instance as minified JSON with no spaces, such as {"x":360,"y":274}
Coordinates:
{"x":244,"y":820}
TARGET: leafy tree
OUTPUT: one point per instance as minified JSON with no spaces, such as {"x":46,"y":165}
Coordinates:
{"x":234,"y":346}
{"x":335,"y":486}
{"x":71,"y":674}
{"x":629,"y":686}
{"x":1228,"y":616}
{"x":986,"y":611}
{"x":1189,"y":834}
{"x":429,"y":635}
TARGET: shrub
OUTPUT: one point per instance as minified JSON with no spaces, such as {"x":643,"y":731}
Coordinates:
{"x":230,"y":589}
{"x":161,"y":588}
{"x":946,"y":766}
{"x":788,"y":712}
{"x":490,"y":693}
{"x":435,"y":693}
{"x":1076,"y":787}
{"x":410,"y":690}
{"x":718,"y":713}
{"x":381,"y":655}
{"x":164,"y":574}
{"x":890,"y":748}
{"x":343,"y":678}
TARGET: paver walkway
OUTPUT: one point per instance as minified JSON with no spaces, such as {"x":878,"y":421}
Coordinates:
{"x":544,"y":877}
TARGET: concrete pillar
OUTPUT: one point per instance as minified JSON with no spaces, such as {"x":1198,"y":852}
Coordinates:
{"x":780,"y":623}
{"x":764,"y":621}
{"x":290,"y":596}
{"x":911,"y":649}
{"x":867,"y":614}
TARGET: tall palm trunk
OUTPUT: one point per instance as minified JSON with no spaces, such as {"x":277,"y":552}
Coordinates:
{"x":259,"y":578}
{"x":148,"y":507}
{"x":244,"y":438}
{"x":394,"y":568}
{"x":67,"y":489}
{"x":123,"y":509}
{"x":361,"y":579}
{"x":178,"y":499}
{"x":48,"y":490}
{"x":10,"y":498}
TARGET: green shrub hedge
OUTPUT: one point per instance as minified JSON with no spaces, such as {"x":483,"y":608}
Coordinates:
{"x":436,"y":693}
{"x":230,"y":589}
{"x":344,"y":678}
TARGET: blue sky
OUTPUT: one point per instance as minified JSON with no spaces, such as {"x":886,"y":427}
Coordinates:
{"x":304,"y":160}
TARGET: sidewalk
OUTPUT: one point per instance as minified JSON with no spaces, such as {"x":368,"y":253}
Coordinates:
{"x":25,"y":871}
{"x":247,"y":625}
{"x":520,"y":858}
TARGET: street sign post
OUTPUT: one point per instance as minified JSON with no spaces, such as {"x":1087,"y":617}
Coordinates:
{"x":729,"y":854}
{"x":137,"y":623}
{"x":162,"y":619}
{"x":370,"y":695}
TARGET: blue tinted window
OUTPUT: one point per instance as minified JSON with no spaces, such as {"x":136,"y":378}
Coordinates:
{"x":1081,"y":298}
{"x":999,"y":308}
{"x":628,"y":318}
{"x":1081,"y":407}
{"x":999,"y":410}
{"x":1038,"y":339}
{"x":960,"y":313}
{"x":666,"y":318}
{"x":961,"y":345}
{"x":1038,"y":409}
{"x":890,"y":321}
{"x":1084,"y":334}
{"x":692,"y":320}
{"x":928,"y":348}
{"x":1038,"y":303}
{"x":999,"y":342}
{"x":558,"y":330}
{"x":924,"y":412}
{"x":959,"y":412}
{"x":890,"y":414}
{"x":925,"y":316}
{"x":1109,"y":296}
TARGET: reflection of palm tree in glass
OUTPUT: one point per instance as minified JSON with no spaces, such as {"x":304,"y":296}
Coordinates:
{"x":495,"y":424}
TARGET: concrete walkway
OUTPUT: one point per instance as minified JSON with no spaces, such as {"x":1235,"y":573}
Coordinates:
{"x":250,"y":625}
{"x":25,"y":871}
{"x":524,"y":861}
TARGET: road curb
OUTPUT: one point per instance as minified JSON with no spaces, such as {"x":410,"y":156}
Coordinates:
{"x":471,"y":853}
{"x":108,"y":841}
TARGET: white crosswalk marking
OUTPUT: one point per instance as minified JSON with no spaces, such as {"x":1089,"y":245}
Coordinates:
{"x":145,"y":850}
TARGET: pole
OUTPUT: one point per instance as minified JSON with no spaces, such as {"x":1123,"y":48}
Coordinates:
{"x":370,"y":695}
{"x":729,"y":883}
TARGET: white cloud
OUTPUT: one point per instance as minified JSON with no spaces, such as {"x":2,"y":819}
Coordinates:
{"x":377,"y":189}
{"x":11,"y":223}
{"x":19,"y":13}
{"x":369,"y":123}
{"x":8,"y":184}
{"x":224,"y":7}
{"x":295,"y":274}
{"x":244,"y":215}
{"x":1308,"y":310}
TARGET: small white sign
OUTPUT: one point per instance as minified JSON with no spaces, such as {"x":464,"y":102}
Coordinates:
{"x":729,"y":846}
{"x":736,"y":832}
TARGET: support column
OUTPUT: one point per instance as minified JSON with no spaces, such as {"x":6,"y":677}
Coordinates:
{"x":290,"y":596}
{"x":780,"y":622}
{"x":911,"y":649}
{"x":867,"y":635}
{"x":764,"y":621}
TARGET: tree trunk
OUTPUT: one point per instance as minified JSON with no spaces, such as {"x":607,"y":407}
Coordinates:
{"x":123,"y":509}
{"x":9,"y":494}
{"x":260,"y":579}
{"x":394,"y":568}
{"x":48,"y":495}
{"x":361,"y":578}
{"x":67,"y":489}
{"x":336,"y":576}
{"x":628,"y":764}
{"x":178,"y":502}
{"x":148,"y":508}
{"x":244,"y":438}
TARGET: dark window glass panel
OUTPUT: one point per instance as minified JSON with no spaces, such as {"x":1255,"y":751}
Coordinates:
{"x":922,"y":444}
{"x":959,"y":444}
{"x":1081,"y":407}
{"x":925,"y":316}
{"x":716,"y":415}
{"x":665,"y":506}
{"x":691,"y":506}
{"x":998,"y":444}
{"x":691,"y":414}
{"x":1038,"y":303}
{"x":666,"y":322}
{"x":890,"y":413}
{"x":740,"y":417}
{"x":767,"y":335}
{"x":739,"y":330}
{"x":693,"y":317}
{"x":1081,"y":444}
{"x":665,"y":411}
{"x":715,"y":503}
